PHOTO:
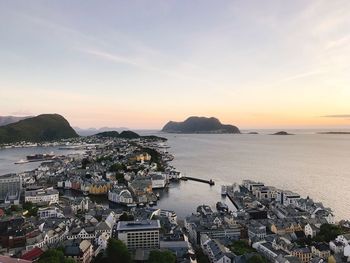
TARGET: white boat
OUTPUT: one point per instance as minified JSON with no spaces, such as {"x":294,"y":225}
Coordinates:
{"x":21,"y":161}
{"x":224,"y":190}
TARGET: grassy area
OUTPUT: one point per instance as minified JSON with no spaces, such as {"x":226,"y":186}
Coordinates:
{"x":241,"y":247}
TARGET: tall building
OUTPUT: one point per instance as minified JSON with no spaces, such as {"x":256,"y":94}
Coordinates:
{"x":139,"y":234}
{"x":10,"y":185}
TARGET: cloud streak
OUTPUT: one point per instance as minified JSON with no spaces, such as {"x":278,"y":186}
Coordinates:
{"x":337,"y":116}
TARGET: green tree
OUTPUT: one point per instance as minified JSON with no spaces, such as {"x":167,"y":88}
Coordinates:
{"x":257,"y":259}
{"x":31,"y":208}
{"x":117,"y":252}
{"x":157,"y":256}
{"x":328,"y":232}
{"x":126,"y":217}
{"x":241,"y":247}
{"x":54,"y":256}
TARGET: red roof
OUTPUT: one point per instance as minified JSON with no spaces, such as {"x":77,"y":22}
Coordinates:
{"x":32,"y":254}
{"x":6,"y":259}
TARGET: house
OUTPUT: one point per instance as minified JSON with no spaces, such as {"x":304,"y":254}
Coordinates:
{"x":80,"y":251}
{"x":33,"y":254}
{"x":102,"y":241}
{"x":321,"y":250}
{"x":82,"y":233}
{"x":120,"y":195}
{"x":256,"y":230}
{"x":265,"y":248}
{"x":311,"y":230}
{"x":303,"y":253}
{"x":158,"y":180}
{"x":215,"y":251}
{"x":99,"y":188}
{"x":50,"y":212}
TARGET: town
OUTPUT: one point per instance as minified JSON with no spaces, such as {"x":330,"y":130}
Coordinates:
{"x":100,"y":206}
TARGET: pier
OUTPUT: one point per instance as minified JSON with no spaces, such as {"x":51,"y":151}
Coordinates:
{"x":210,"y":182}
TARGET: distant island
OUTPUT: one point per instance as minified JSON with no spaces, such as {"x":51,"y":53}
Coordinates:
{"x":199,"y":125}
{"x":45,"y":127}
{"x":282,"y":133}
{"x":92,"y":131}
{"x":127,"y":135}
{"x":334,"y":132}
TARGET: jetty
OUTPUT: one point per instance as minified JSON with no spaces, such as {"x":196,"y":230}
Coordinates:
{"x":210,"y":182}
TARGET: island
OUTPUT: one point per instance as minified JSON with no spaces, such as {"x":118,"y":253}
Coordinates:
{"x":44,"y":127}
{"x":200,"y":125}
{"x":334,"y":132}
{"x":128,"y":135}
{"x":282,"y":133}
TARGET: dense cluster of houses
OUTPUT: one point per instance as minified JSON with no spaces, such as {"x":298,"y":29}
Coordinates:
{"x":55,"y":206}
{"x":62,"y":213}
{"x":279,"y":225}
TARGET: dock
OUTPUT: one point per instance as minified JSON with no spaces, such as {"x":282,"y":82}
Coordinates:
{"x":234,"y":200}
{"x":210,"y":182}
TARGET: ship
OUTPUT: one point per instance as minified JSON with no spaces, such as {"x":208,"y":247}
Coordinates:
{"x":221,"y":207}
{"x":223,"y":190}
{"x":21,"y":161}
{"x":40,"y":157}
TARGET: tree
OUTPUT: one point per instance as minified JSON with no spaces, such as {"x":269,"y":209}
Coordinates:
{"x":157,"y":256}
{"x":117,"y":252}
{"x":257,"y":259}
{"x":201,"y":257}
{"x":126,"y":217}
{"x":31,"y":208}
{"x":241,"y":247}
{"x":328,"y":232}
{"x":54,"y":256}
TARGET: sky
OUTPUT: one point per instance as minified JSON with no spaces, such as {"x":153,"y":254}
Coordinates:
{"x":138,"y":64}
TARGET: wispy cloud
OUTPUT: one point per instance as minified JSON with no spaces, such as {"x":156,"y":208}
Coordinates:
{"x":337,"y":116}
{"x":144,"y":65}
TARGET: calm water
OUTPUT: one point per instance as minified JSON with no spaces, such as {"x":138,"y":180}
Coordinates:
{"x":310,"y":164}
{"x":8,"y":157}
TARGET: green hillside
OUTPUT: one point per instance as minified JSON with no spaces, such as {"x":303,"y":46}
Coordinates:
{"x":45,"y":127}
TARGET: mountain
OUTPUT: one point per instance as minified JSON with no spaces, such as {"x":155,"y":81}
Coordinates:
{"x":45,"y":127}
{"x":4,"y":120}
{"x":199,"y":125}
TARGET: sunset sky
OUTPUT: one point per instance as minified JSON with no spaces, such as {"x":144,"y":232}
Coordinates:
{"x":138,"y":64}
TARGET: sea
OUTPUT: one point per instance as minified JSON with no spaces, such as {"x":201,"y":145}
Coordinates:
{"x":311,"y":164}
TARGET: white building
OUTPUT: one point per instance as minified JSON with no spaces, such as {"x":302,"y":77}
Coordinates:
{"x":158,"y":181}
{"x":287,"y":197}
{"x":48,"y":195}
{"x":139,"y":234}
{"x":10,"y":184}
{"x":120,"y":195}
{"x":50,"y":212}
{"x":311,"y":230}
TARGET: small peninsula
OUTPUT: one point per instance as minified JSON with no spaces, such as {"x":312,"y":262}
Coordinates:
{"x":200,"y":125}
